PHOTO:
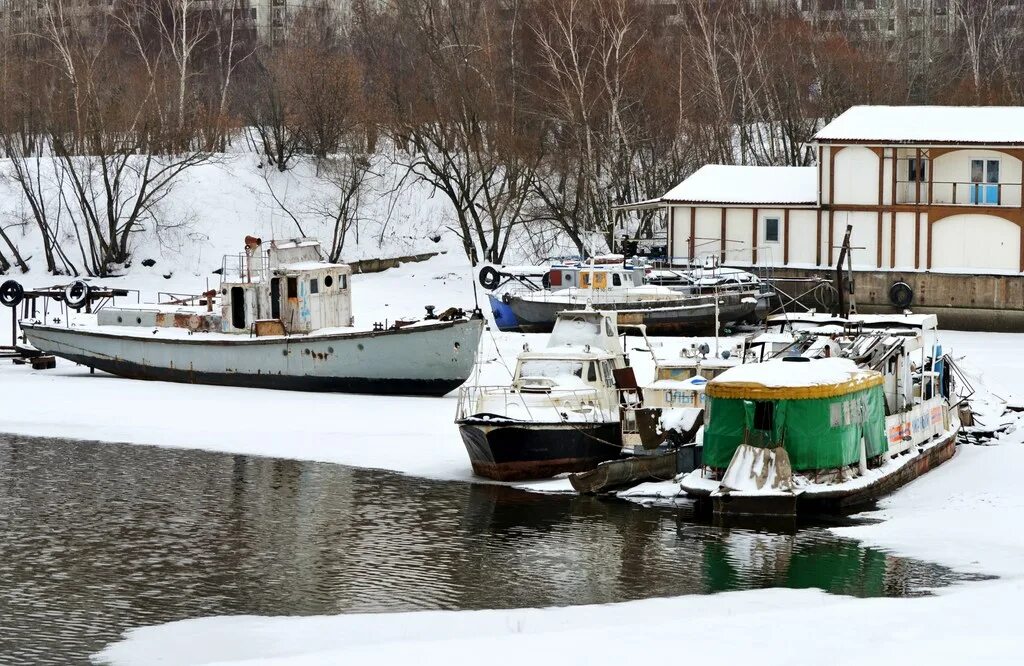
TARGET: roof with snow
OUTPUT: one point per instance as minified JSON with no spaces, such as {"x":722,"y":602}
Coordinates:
{"x":780,"y":379}
{"x":976,"y":125}
{"x":747,"y":185}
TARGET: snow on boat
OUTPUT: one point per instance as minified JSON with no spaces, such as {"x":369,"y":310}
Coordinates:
{"x":860,"y":408}
{"x":281,"y":319}
{"x":561,"y":411}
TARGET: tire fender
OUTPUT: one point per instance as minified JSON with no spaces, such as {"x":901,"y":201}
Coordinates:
{"x":900,"y":294}
{"x":76,"y":294}
{"x":11,"y":293}
{"x":490,"y":278}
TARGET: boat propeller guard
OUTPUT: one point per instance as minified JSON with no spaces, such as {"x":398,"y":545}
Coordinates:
{"x":11,"y":293}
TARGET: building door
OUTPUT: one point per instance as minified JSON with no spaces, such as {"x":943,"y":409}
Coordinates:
{"x":985,"y":182}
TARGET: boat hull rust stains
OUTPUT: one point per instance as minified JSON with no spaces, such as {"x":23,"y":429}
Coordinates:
{"x":426,"y":359}
{"x":505,"y":451}
{"x":826,"y":502}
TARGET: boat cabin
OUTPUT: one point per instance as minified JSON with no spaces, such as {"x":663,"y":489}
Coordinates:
{"x":286,"y":289}
{"x":603,"y":277}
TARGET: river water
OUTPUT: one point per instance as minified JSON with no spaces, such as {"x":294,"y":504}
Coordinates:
{"x":98,"y":538}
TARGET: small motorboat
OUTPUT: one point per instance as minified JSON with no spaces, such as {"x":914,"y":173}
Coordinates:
{"x":699,"y":306}
{"x":561,"y":413}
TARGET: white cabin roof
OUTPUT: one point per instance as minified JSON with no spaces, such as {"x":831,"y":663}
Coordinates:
{"x":746,"y":185}
{"x":778,"y":373}
{"x":975,"y":125}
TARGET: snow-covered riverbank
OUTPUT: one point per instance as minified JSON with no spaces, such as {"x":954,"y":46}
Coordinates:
{"x":964,"y":515}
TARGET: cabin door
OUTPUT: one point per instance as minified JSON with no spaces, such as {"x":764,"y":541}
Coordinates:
{"x":275,"y":298}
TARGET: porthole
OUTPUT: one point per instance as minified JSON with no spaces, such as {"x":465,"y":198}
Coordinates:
{"x":330,"y":350}
{"x":119,"y":319}
{"x":328,"y":281}
{"x":138,"y":320}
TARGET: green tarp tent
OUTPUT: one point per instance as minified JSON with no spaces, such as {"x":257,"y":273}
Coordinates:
{"x":819,"y":426}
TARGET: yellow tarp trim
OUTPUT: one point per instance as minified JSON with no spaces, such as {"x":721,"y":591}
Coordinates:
{"x":754,"y":391}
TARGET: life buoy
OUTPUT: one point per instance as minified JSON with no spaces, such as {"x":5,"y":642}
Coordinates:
{"x":11,"y":293}
{"x":901,"y":295}
{"x":76,"y":294}
{"x":489,"y":277}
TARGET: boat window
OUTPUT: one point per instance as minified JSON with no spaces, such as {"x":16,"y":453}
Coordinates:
{"x":328,"y":281}
{"x":592,"y":372}
{"x":314,"y":288}
{"x":293,"y":287}
{"x":237,"y":307}
{"x":616,"y":280}
{"x":609,"y":377}
{"x":764,"y":415}
{"x":343,"y":281}
{"x":608,"y":328}
{"x":551,"y":369}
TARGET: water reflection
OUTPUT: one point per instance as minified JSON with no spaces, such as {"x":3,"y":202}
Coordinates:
{"x":98,"y":538}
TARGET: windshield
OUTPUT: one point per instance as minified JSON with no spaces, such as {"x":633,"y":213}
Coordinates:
{"x":550,"y":369}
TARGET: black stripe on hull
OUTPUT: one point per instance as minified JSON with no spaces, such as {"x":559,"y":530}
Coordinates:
{"x":369,"y":385}
{"x":533,"y":451}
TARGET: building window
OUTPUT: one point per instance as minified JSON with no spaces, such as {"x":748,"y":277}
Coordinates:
{"x":915,"y":171}
{"x":771,"y":230}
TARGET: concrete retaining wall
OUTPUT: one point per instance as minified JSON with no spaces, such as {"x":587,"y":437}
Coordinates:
{"x":962,"y":302}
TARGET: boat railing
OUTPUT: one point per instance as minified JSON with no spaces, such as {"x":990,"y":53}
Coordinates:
{"x":574,"y":405}
{"x":244,"y":267}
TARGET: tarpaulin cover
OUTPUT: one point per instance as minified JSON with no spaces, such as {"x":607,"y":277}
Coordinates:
{"x":818,"y":433}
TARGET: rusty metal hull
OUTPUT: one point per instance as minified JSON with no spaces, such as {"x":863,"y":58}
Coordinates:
{"x":430,"y":359}
{"x":629,"y":471}
{"x":514,"y":451}
{"x":826,"y":502}
{"x":692,"y":316}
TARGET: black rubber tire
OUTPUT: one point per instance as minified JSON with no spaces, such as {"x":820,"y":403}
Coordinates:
{"x":76,"y":294}
{"x":490,"y":278}
{"x":901,"y":295}
{"x":11,"y":293}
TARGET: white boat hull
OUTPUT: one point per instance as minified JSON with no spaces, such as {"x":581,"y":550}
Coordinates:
{"x":431,"y":358}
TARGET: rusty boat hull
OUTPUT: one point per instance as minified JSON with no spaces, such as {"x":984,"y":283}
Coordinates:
{"x":519,"y":450}
{"x":427,"y":359}
{"x":831,"y":502}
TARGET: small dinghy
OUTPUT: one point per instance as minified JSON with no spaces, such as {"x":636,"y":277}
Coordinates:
{"x":282,"y":318}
